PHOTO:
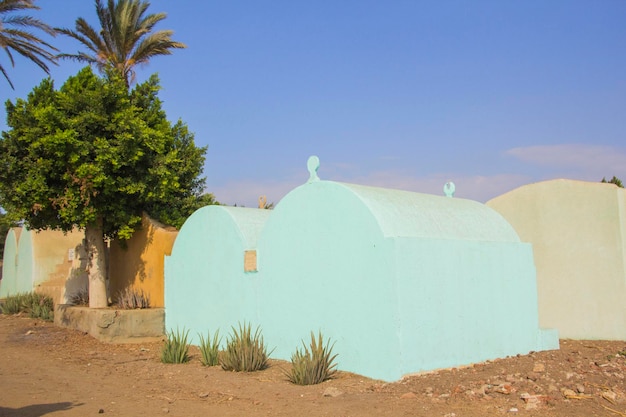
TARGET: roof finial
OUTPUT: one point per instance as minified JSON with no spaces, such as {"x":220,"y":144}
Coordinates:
{"x":448,"y":189}
{"x":313,"y":165}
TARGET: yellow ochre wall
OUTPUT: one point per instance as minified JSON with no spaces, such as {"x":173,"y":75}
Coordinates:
{"x":138,"y":262}
{"x":50,"y":260}
{"x":39,"y":261}
{"x":578,"y":233}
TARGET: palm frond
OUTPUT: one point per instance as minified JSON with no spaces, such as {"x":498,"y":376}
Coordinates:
{"x":150,"y":21}
{"x":14,"y":5}
{"x":6,"y":76}
{"x":159,"y":43}
{"x":22,"y":35}
{"x":28,"y":21}
{"x":86,"y":35}
{"x":14,"y":36}
{"x":106,"y":31}
{"x":79,"y":57}
{"x":8,"y":51}
{"x":125,"y":39}
{"x":33,"y":52}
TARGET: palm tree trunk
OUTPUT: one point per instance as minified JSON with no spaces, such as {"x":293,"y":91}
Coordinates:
{"x":96,"y":250}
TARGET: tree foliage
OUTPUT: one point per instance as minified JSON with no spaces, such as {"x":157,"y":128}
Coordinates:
{"x":125,"y":38}
{"x":94,"y":153}
{"x":613,"y":180}
{"x":16,"y":35}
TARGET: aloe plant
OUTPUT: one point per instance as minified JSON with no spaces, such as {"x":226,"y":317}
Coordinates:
{"x":209,"y":349}
{"x":176,"y":348}
{"x":130,"y":299}
{"x":245,"y":352}
{"x":314,"y":365}
{"x":36,"y":305}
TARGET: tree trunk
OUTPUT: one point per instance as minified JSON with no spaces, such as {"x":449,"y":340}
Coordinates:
{"x":96,"y":251}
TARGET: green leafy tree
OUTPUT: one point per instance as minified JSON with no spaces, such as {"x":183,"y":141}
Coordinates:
{"x":126,"y":37}
{"x":94,"y":155}
{"x":613,"y":180}
{"x":176,"y":214}
{"x":15,"y":35}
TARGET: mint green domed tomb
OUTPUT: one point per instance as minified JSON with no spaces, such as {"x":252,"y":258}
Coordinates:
{"x":402,"y":282}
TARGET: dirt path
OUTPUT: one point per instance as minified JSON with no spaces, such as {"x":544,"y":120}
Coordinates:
{"x":49,"y":371}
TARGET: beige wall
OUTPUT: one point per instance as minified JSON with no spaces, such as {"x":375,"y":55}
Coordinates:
{"x":578,"y":232}
{"x":51,"y":263}
{"x":138,"y":262}
{"x":46,"y":267}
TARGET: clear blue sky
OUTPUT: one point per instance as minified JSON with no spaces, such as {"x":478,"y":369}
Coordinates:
{"x":401,"y":94}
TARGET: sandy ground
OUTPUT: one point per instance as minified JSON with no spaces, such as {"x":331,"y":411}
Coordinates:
{"x":50,"y":371}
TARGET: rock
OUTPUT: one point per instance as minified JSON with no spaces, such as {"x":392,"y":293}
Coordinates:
{"x":513,"y":410}
{"x":450,"y":415}
{"x":580,"y":388}
{"x":532,"y":405}
{"x":510,"y":378}
{"x":567,"y":393}
{"x":165,"y":410}
{"x":203,"y":394}
{"x":610,"y":396}
{"x":505,"y":389}
{"x":408,"y":396}
{"x":539,"y":367}
{"x":532,"y":401}
{"x":377,"y":387}
{"x":332,"y":392}
{"x":469,"y":393}
{"x":484,"y":389}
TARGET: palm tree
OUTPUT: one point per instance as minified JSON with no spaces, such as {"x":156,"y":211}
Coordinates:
{"x":14,"y":36}
{"x":125,"y":39}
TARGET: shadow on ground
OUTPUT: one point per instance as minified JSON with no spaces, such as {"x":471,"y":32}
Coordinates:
{"x":36,"y":410}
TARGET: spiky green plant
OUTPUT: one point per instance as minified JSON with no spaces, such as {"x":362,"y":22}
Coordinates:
{"x":309,"y":367}
{"x":209,"y":349}
{"x":245,"y":352}
{"x":28,"y":300}
{"x":43,"y":310}
{"x":131,"y":298}
{"x":42,"y":307}
{"x":38,"y":306}
{"x":14,"y":304}
{"x":176,"y":348}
